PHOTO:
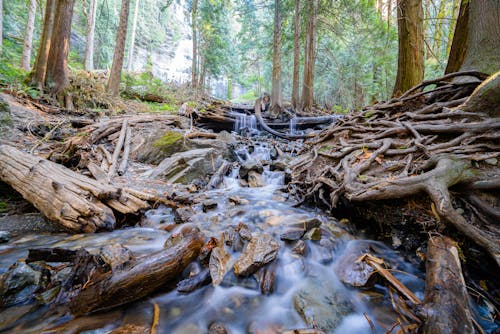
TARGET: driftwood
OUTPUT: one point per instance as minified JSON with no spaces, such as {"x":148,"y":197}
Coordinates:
{"x":404,"y":147}
{"x":69,"y":199}
{"x":140,"y":278}
{"x":446,"y":298}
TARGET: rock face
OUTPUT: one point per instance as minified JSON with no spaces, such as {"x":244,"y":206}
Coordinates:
{"x":320,"y":306}
{"x":262,"y":249}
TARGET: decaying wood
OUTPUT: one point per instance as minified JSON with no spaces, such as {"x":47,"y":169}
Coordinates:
{"x":69,"y":199}
{"x":139,"y":279}
{"x":126,"y":152}
{"x":446,"y":299}
{"x":377,"y":264}
{"x":218,"y":177}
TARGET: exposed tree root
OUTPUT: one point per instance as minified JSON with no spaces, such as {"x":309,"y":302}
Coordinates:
{"x":406,"y":146}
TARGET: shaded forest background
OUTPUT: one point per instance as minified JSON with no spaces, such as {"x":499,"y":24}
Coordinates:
{"x":356,"y":51}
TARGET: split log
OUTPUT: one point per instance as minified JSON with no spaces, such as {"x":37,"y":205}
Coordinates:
{"x":446,"y":299}
{"x":218,"y":177}
{"x":118,"y":148}
{"x":126,"y":152}
{"x":74,"y":201}
{"x":141,"y":278}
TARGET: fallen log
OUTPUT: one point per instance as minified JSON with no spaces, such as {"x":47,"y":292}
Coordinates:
{"x":446,"y":299}
{"x":74,"y":201}
{"x":141,"y":278}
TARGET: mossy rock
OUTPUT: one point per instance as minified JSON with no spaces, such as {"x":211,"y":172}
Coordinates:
{"x":162,"y":146}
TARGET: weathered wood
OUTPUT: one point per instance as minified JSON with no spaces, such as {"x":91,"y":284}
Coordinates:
{"x":126,"y":152}
{"x":69,"y":199}
{"x":141,"y":278}
{"x":446,"y":299}
{"x":118,"y":148}
{"x":51,"y":255}
{"x":218,"y":177}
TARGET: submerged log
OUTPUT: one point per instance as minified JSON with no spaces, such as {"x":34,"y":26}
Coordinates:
{"x":446,"y":299}
{"x":141,"y":278}
{"x":74,"y":201}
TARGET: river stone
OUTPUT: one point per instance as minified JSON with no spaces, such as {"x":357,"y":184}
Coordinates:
{"x":19,"y":284}
{"x":217,"y":328}
{"x":115,"y":255}
{"x":262,"y":249}
{"x":5,"y":237}
{"x":220,"y":263}
{"x":299,"y":248}
{"x":293,"y":234}
{"x":249,"y":166}
{"x":255,"y":180}
{"x":208,"y":205}
{"x":320,"y":306}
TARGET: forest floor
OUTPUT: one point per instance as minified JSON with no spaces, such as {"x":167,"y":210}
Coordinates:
{"x":403,"y":171}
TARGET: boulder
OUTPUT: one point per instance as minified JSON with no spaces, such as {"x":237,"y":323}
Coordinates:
{"x":262,"y":249}
{"x":19,"y":284}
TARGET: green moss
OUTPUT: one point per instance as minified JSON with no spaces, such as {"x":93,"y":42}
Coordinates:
{"x":4,"y":207}
{"x":169,"y":138}
{"x":325,"y":148}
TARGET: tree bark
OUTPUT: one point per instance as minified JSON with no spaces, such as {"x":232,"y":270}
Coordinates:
{"x":411,"y":45}
{"x":483,"y":42}
{"x":132,"y":37}
{"x":446,"y":296}
{"x":276,"y":94}
{"x":116,"y":68}
{"x":40,"y":67}
{"x":310,"y":57}
{"x":194,"y":70}
{"x":89,"y":46}
{"x":296,"y":58}
{"x":56,"y":78}
{"x":28,"y":37}
{"x":459,"y":44}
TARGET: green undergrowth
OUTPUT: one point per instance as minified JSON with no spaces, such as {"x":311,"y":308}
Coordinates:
{"x":4,"y":207}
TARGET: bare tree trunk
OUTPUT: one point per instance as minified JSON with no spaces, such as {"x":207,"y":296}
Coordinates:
{"x":132,"y":37}
{"x":411,"y":45}
{"x":310,"y":57}
{"x":89,"y":48}
{"x":389,"y":13}
{"x":57,"y":64}
{"x":459,"y":44}
{"x":276,"y":98}
{"x":116,"y":68}
{"x":28,"y":37}
{"x":451,"y":28}
{"x":296,"y":58}
{"x":194,"y":70}
{"x":40,"y":67}
{"x":483,"y":43}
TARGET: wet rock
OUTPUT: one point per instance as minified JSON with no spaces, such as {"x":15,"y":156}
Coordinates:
{"x":279,"y":165}
{"x":217,"y":328}
{"x":220,"y":263}
{"x":350,"y":270}
{"x":238,"y":200}
{"x":209,"y":205}
{"x":255,"y":180}
{"x":49,"y":296}
{"x":183,"y":215}
{"x":261,"y":249}
{"x":230,"y":235}
{"x":313,"y":234}
{"x":248,"y":166}
{"x":299,"y":248}
{"x":303,"y":331}
{"x":131,"y":329}
{"x":206,"y":250}
{"x":187,"y":329}
{"x":19,"y":284}
{"x":307,"y":224}
{"x":195,"y":282}
{"x":5,"y":237}
{"x":29,"y":223}
{"x":115,"y":256}
{"x":244,"y":232}
{"x":292,"y":234}
{"x":320,"y":306}
{"x":267,"y":279}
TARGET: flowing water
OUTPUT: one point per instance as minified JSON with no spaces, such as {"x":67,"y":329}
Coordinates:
{"x":307,"y":286}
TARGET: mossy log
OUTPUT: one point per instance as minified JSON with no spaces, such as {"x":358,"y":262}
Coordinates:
{"x":74,"y":201}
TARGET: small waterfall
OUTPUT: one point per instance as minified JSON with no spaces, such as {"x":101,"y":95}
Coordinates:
{"x":245,"y":124}
{"x":293,"y":125}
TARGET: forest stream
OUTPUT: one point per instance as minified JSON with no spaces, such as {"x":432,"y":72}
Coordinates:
{"x":305,"y":254}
